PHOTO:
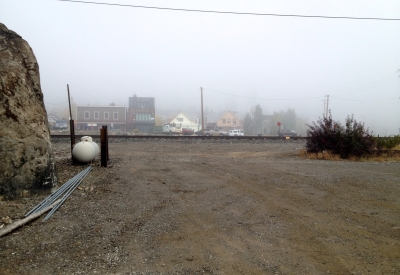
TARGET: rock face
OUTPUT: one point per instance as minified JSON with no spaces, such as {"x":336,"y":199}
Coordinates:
{"x":26,"y":159}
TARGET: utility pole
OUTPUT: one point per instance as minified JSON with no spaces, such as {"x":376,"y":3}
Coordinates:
{"x":202,"y":112}
{"x":327,"y":106}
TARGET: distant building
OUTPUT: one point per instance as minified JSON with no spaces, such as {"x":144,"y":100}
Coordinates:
{"x":228,"y":121}
{"x":94,"y":117}
{"x":266,"y":124}
{"x":141,"y":114}
{"x":185,"y":122}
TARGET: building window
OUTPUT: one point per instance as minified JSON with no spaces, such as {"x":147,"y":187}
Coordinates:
{"x":234,"y":121}
{"x":106,"y":115}
{"x":143,"y":104}
{"x":115,"y":115}
{"x":143,"y":117}
{"x":180,"y":119}
{"x":229,"y":120}
{"x":86,"y":115}
{"x":96,"y":115}
{"x":223,"y":121}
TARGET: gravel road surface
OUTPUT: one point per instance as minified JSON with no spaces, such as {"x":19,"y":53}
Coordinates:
{"x":212,"y":207}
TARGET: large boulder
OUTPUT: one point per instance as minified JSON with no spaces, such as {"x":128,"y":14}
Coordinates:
{"x":27,"y":162}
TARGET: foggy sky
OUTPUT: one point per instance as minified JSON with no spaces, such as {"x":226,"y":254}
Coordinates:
{"x":107,"y":54}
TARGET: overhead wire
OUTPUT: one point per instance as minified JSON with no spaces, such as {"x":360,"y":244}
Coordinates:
{"x":305,"y":98}
{"x":248,"y":13}
{"x":359,"y":100}
{"x":65,"y":102}
{"x":258,"y":98}
{"x":235,"y":13}
{"x":363,"y":87}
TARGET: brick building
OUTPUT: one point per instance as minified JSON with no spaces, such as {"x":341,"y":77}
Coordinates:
{"x":141,"y":114}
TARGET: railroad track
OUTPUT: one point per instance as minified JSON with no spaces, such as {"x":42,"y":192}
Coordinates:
{"x":110,"y":137}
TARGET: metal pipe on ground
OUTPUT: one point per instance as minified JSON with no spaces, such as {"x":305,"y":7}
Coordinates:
{"x":74,"y":184}
{"x":53,"y":196}
{"x":66,"y":195}
{"x":56,"y":194}
{"x":19,"y":223}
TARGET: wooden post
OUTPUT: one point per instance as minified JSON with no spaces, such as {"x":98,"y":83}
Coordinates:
{"x":71,"y":127}
{"x":69,"y":103}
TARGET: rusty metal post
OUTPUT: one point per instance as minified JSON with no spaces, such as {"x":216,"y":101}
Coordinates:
{"x":72,"y":134}
{"x":103,"y":146}
{"x":202,"y":113}
{"x":108,"y":156}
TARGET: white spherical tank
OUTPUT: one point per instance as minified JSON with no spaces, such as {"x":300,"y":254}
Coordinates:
{"x":86,"y":150}
{"x":96,"y":147}
{"x":86,"y":138}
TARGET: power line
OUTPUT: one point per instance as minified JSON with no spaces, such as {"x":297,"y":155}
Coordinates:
{"x":237,"y":13}
{"x":306,"y":98}
{"x":65,"y":102}
{"x":268,"y":99}
{"x":358,"y":100}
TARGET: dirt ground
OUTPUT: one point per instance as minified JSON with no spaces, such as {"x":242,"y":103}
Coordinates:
{"x":203,"y":207}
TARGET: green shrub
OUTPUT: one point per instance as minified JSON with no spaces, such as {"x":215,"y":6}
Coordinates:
{"x":387,"y":143}
{"x":351,"y":140}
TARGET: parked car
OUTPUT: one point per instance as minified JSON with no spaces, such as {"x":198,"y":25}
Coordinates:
{"x":61,"y":125}
{"x":288,"y":133}
{"x":236,"y":132}
{"x":172,"y":128}
{"x":214,"y":132}
{"x":187,"y":131}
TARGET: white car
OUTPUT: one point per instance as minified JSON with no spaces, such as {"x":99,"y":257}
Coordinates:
{"x":237,"y":132}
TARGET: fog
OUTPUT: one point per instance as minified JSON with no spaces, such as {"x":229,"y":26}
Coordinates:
{"x":109,"y":53}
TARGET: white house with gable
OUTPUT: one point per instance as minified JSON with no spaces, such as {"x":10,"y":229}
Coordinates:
{"x":186,"y":122}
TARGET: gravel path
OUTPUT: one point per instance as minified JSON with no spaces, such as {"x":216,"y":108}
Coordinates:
{"x":222,"y":207}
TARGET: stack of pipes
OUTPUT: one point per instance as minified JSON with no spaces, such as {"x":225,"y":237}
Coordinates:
{"x":51,"y":202}
{"x":65,"y":191}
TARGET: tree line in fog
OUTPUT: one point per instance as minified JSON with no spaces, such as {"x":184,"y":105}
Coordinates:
{"x":255,"y":122}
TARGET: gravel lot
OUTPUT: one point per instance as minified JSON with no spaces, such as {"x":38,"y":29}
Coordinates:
{"x":213,"y":207}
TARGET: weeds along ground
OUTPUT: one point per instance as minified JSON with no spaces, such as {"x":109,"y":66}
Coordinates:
{"x":385,"y":156}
